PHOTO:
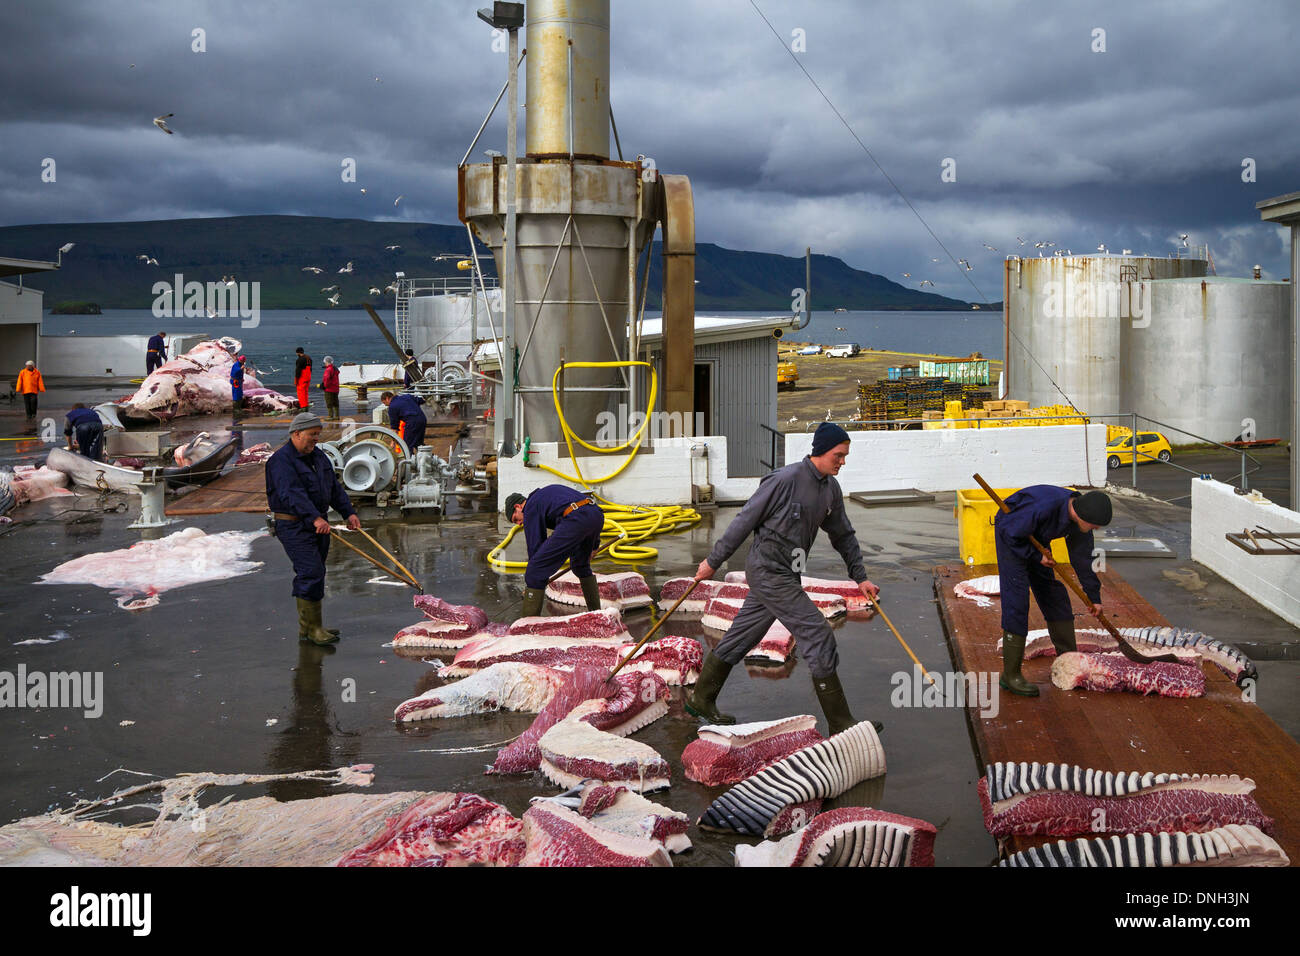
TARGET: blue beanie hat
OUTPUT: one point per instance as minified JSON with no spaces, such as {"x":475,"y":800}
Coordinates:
{"x":826,"y":437}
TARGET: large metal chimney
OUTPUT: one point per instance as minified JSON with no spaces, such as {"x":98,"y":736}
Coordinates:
{"x":581,"y":221}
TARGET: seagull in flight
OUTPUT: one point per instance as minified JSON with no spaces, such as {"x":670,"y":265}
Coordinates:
{"x":840,"y":328}
{"x":392,"y":248}
{"x":316,"y":269}
{"x":228,"y":280}
{"x":907,"y":275}
{"x":1183,"y":237}
{"x":375,"y":290}
{"x":334,"y":299}
{"x":319,"y":321}
{"x":965,"y":263}
{"x":990,"y":248}
{"x":363,"y":190}
{"x":1101,"y":247}
{"x":347,"y":268}
{"x":925,"y":282}
{"x":330,"y":288}
{"x":1019,"y":240}
{"x":398,"y":199}
{"x":161,"y":122}
{"x":391,"y":287}
{"x":792,"y":420}
{"x":148,"y":260}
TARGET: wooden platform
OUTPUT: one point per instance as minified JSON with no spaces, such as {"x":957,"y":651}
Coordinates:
{"x":240,"y":489}
{"x":1217,"y":733}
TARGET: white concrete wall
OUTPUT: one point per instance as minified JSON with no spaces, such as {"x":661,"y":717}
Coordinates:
{"x":945,"y":459}
{"x":1273,"y":581}
{"x":20,"y":305}
{"x":105,"y":356}
{"x":663,"y":477}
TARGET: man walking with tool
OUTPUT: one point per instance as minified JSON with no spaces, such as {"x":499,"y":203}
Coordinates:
{"x":300,"y":489}
{"x":784,"y":515}
{"x":1044,"y":512}
{"x":577,"y":522}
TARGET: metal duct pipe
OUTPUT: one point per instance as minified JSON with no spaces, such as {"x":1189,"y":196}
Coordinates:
{"x":568,"y":116}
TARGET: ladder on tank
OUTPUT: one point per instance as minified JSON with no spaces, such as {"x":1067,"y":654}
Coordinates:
{"x":402,"y":313}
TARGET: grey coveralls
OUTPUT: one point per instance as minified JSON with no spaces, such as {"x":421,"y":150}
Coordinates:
{"x":784,"y":515}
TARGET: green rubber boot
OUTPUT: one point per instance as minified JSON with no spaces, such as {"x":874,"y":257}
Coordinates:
{"x":304,"y":623}
{"x":532,"y":602}
{"x":310,"y":626}
{"x":830,"y":694}
{"x":1013,"y":652}
{"x":702,"y":701}
{"x":591,"y":591}
{"x":1062,"y":634}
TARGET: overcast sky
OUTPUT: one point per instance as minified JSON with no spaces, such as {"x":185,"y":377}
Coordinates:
{"x":1131,"y":146}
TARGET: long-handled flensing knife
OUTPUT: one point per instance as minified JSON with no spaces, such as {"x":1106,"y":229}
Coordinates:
{"x":651,"y":633}
{"x":1125,"y":647}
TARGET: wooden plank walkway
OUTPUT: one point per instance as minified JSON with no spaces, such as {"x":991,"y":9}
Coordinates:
{"x":241,"y":489}
{"x":1217,"y":733}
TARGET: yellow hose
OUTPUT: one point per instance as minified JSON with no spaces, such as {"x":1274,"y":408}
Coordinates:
{"x":626,"y":525}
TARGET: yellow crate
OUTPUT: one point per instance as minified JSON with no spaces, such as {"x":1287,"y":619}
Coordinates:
{"x":975,"y":512}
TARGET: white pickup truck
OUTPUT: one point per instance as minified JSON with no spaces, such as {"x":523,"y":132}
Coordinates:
{"x":843,"y":351}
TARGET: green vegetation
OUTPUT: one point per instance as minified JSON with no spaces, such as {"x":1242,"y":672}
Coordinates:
{"x":273,"y":250}
{"x":75,"y":308}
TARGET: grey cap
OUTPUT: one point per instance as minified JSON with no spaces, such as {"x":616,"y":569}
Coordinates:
{"x":303,"y":421}
{"x":329,"y":360}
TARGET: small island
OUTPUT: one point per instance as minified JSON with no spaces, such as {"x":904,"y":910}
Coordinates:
{"x":75,"y":308}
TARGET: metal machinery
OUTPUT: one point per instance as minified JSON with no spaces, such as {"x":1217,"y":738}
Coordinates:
{"x":446,"y":319}
{"x":375,"y":465}
{"x":578,"y":222}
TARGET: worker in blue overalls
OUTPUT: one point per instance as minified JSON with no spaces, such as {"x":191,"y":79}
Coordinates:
{"x":300,"y":490}
{"x":85,"y":423}
{"x":577,"y":522}
{"x":406,"y":417}
{"x":237,"y":383}
{"x":155,"y":353}
{"x":1046,"y":512}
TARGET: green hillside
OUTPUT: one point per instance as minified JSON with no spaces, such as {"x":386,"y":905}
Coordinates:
{"x":273,"y":250}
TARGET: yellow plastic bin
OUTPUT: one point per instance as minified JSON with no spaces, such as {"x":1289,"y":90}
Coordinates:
{"x":975,"y":512}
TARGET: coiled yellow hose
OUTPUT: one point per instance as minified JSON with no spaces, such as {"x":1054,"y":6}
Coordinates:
{"x":625,"y":525}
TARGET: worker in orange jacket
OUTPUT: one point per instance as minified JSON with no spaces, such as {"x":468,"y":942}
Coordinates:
{"x":30,"y":384}
{"x":302,"y":378}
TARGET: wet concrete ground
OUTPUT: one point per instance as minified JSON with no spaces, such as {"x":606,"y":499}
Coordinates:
{"x":204,"y":672}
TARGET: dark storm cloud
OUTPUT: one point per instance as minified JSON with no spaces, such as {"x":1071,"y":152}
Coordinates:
{"x":1051,"y":140}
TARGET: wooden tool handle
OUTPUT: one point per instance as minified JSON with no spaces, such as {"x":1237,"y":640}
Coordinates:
{"x":651,"y":633}
{"x":387,"y":570}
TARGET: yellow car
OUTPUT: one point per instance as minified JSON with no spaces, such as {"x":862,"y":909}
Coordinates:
{"x":1151,"y":446}
{"x":787,"y":373}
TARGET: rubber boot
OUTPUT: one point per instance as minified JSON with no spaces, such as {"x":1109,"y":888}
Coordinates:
{"x":1013,"y":652}
{"x":532,"y":602}
{"x":591,"y":591}
{"x":702,"y":701}
{"x":309,"y":614}
{"x":1062,"y":634}
{"x":304,"y":624}
{"x":830,"y":694}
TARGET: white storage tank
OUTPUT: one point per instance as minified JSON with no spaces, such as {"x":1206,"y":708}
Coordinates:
{"x":1065,"y":314}
{"x":1213,"y":358}
{"x":444,"y":324}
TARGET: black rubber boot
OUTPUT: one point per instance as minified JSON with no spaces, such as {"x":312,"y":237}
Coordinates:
{"x":1062,"y":634}
{"x":532,"y":602}
{"x":591,"y":591}
{"x":830,"y":694}
{"x":310,"y":626}
{"x":702,"y":701}
{"x":1013,"y":652}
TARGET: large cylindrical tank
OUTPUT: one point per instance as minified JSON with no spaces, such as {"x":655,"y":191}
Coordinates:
{"x":554,"y":28}
{"x":1212,"y":358}
{"x":446,"y":323}
{"x":1064,"y":316}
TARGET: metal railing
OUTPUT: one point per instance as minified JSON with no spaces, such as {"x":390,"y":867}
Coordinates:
{"x":777,"y":446}
{"x":903,"y":424}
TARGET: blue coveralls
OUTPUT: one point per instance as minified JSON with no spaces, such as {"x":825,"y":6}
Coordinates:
{"x":304,"y":485}
{"x":575,"y":537}
{"x":156,"y":354}
{"x":237,"y":382}
{"x":90,"y":432}
{"x":405,"y":410}
{"x":1042,"y":511}
{"x":784,"y":514}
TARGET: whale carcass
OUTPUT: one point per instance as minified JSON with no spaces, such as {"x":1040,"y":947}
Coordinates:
{"x":1109,"y":672}
{"x":1231,"y":845}
{"x":625,"y":591}
{"x":723,"y":755}
{"x":849,"y":836}
{"x":198,"y":383}
{"x":1066,"y":800}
